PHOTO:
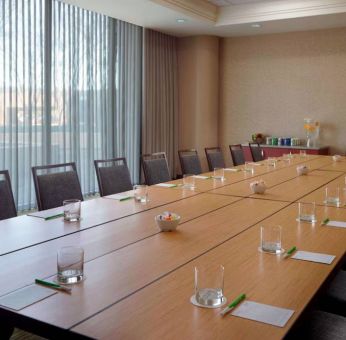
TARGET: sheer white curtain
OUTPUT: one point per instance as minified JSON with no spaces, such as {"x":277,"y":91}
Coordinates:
{"x":22,"y":93}
{"x":96,"y":86}
{"x":70,"y":91}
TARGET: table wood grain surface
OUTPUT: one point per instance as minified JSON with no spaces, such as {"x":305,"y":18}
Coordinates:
{"x":139,"y":280}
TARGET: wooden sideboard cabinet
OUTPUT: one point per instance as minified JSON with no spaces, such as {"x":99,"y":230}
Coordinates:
{"x":279,"y":150}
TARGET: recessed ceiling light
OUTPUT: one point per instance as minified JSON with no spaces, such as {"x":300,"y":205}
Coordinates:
{"x":255,"y":25}
{"x":181,"y":21}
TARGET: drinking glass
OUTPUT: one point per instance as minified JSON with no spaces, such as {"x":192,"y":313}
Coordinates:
{"x":306,"y":212}
{"x":302,"y":153}
{"x":209,"y":285}
{"x":249,"y":167}
{"x":141,"y":193}
{"x":70,"y":264}
{"x":72,"y":209}
{"x":271,"y":239}
{"x":271,"y":161}
{"x":286,"y":158}
{"x":219,"y":173}
{"x":332,"y":196}
{"x":189,"y":181}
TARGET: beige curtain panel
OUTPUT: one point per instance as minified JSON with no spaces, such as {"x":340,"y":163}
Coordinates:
{"x":160,"y":96}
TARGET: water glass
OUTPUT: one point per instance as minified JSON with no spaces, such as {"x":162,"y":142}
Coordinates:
{"x":307,"y":212}
{"x":286,"y":158}
{"x":189,"y":181}
{"x":271,"y":161}
{"x":249,"y":167}
{"x":302,"y":153}
{"x":271,"y":239}
{"x":72,"y":210}
{"x":219,"y":173}
{"x":141,"y":193}
{"x":332,"y":196}
{"x":70,"y":264}
{"x":209,"y":285}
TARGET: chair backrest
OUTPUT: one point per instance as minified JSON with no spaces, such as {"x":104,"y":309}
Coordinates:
{"x":237,"y":154}
{"x":155,"y":168}
{"x":256,"y":152}
{"x":189,"y":162}
{"x":214,"y":158}
{"x":7,"y":205}
{"x":53,"y":187}
{"x":113,"y":176}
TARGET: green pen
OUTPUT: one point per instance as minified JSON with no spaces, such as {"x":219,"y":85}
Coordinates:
{"x":53,"y":285}
{"x":125,"y":198}
{"x":325,"y":221}
{"x":233,"y":304}
{"x":54,"y":216}
{"x":290,"y":251}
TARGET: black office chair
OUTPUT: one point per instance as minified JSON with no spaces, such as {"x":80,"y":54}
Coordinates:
{"x":237,"y":154}
{"x":256,"y":152}
{"x":52,"y":187}
{"x":214,"y":158}
{"x":320,"y":325}
{"x":7,"y":205}
{"x":334,"y":300}
{"x":113,"y":176}
{"x":155,"y":168}
{"x":189,"y":162}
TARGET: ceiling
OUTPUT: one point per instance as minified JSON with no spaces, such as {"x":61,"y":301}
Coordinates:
{"x":203,"y":17}
{"x":235,"y":2}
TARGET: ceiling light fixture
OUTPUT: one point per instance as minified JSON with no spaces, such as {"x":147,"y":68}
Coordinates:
{"x":255,"y":25}
{"x":181,"y":21}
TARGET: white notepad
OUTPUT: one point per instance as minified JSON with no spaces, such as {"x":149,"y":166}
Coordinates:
{"x":271,"y":315}
{"x":47,"y":213}
{"x":232,"y":169}
{"x":202,"y":177}
{"x":339,"y":224}
{"x":25,"y":297}
{"x":313,"y":257}
{"x":166,"y":185}
{"x":120,"y":197}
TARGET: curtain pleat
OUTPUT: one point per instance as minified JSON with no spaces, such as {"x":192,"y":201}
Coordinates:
{"x":159,"y":117}
{"x":70,"y":90}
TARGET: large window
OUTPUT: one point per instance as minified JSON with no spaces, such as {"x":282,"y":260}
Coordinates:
{"x":70,"y":90}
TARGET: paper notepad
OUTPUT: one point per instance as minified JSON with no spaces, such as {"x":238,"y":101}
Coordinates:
{"x":339,"y":224}
{"x":50,"y":213}
{"x":271,"y":315}
{"x":313,"y":257}
{"x":202,"y":177}
{"x":25,"y":297}
{"x":232,"y":169}
{"x":166,"y":185}
{"x":120,"y":197}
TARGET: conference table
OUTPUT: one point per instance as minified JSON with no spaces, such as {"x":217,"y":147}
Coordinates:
{"x":138,"y":280}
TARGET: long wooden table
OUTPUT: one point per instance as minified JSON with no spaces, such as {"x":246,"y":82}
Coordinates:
{"x":139,"y":281}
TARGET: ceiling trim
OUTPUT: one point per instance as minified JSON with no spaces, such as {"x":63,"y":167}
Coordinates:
{"x":239,"y":14}
{"x":197,"y":8}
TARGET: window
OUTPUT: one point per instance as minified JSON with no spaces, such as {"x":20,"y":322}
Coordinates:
{"x":70,"y":90}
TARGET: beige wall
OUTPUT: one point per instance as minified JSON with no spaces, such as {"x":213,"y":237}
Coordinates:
{"x":198,"y":84}
{"x":270,"y":83}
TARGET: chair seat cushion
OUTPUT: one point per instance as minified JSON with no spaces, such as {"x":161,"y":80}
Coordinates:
{"x":326,"y":326}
